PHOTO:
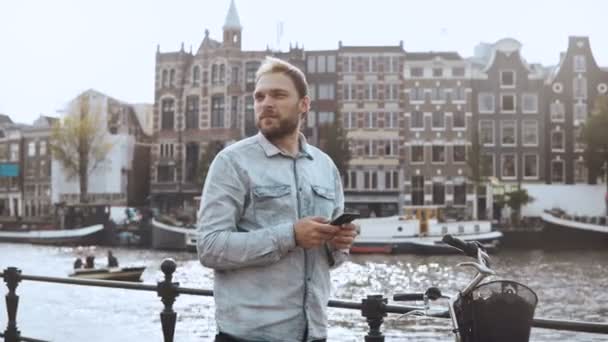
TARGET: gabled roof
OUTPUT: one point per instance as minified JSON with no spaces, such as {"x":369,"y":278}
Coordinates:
{"x":4,"y":119}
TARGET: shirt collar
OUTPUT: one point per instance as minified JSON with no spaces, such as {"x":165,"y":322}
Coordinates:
{"x":271,"y":150}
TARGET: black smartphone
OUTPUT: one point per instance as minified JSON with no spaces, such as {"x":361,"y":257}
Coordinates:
{"x":345,"y":218}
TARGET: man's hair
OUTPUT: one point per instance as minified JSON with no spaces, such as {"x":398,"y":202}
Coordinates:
{"x":274,"y":65}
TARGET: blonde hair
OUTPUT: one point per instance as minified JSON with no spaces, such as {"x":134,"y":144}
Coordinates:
{"x":273,"y":65}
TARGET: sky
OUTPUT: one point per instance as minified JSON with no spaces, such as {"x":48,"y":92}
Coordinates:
{"x":50,"y":51}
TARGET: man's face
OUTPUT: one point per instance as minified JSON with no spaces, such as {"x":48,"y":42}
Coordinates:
{"x":278,"y":108}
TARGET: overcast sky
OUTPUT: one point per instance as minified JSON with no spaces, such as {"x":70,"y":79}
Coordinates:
{"x":50,"y":51}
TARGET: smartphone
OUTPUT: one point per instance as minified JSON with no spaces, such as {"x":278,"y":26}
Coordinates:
{"x":345,"y":218}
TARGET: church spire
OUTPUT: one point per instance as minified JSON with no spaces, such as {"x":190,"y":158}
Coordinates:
{"x":232,"y":18}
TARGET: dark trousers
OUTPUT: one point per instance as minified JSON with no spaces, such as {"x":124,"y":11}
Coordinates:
{"x":221,"y":337}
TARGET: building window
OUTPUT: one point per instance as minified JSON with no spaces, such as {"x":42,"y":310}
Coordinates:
{"x":558,"y":112}
{"x":508,"y":134}
{"x":458,"y":72}
{"x":217,"y":111}
{"x":580,"y":87}
{"x":192,"y":153}
{"x":371,"y":120}
{"x":326,"y":91}
{"x":459,"y":120}
{"x":371,"y":92}
{"x":507,"y":103}
{"x":509,"y":166}
{"x":530,"y":132}
{"x":417,"y":154}
{"x":349,"y":92}
{"x":250,"y":69}
{"x":531,"y":166}
{"x":580,"y":172}
{"x":192,"y":112}
{"x":349,"y":120}
{"x":167,"y":114}
{"x":390,"y":120}
{"x":458,"y":94}
{"x":172,"y":78}
{"x":321,"y":66}
{"x":438,"y":154}
{"x":438,"y":193}
{"x":31,"y":149}
{"x":366,"y":180}
{"x":234,"y":75}
{"x":311,"y":64}
{"x":417,"y":190}
{"x":166,"y":150}
{"x":438,"y":120}
{"x":390,"y":148}
{"x":417,"y":120}
{"x":579,"y":63}
{"x":486,"y":128}
{"x":165,"y":173}
{"x":164,"y":79}
{"x":557,"y":171}
{"x":41,"y":147}
{"x":326,"y":118}
{"x":530,"y":103}
{"x":460,"y":194}
{"x":486,"y":103}
{"x":507,"y":78}
{"x":459,"y":153}
{"x":579,"y":143}
{"x":557,"y":140}
{"x":417,"y":72}
{"x":331,"y":63}
{"x":416,"y":94}
{"x":580,"y":112}
{"x":392,"y":92}
{"x":196,"y":76}
{"x":353,"y":179}
{"x":437,"y":72}
{"x":347,"y":64}
{"x":487,"y":166}
{"x":234,"y":111}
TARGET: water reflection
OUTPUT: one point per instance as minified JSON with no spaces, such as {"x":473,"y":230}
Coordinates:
{"x":569,"y":286}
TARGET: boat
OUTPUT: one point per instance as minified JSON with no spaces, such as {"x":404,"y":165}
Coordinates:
{"x":78,"y":236}
{"x":564,"y":231}
{"x":112,"y":273}
{"x":420,"y":231}
{"x":173,"y":237}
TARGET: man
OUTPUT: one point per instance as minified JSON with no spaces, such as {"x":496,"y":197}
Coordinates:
{"x":263,"y":221}
{"x":112,"y":261}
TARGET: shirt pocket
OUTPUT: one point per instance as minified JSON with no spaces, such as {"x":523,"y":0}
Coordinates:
{"x":324,"y":200}
{"x":271,"y":202}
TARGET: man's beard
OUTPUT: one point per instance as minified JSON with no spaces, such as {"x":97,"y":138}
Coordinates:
{"x":286,"y":126}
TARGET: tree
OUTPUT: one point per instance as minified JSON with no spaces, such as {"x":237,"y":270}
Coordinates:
{"x":515,"y":200}
{"x":596,"y":140}
{"x":477,"y":169}
{"x":211,"y":150}
{"x":333,"y":141}
{"x":79,"y":142}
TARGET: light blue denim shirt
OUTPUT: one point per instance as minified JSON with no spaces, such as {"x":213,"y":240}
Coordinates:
{"x":266,"y":288}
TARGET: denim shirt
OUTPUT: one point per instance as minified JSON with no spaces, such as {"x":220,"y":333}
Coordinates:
{"x":265,"y":287}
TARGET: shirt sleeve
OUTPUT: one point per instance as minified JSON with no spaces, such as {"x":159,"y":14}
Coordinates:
{"x":341,"y":255}
{"x":219,"y":244}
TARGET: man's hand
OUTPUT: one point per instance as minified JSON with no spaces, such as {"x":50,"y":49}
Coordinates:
{"x":313,"y":232}
{"x":344,"y":236}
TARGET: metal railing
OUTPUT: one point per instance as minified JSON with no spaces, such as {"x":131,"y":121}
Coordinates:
{"x":373,"y":308}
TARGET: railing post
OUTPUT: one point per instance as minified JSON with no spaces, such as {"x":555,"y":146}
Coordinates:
{"x":12,"y":277}
{"x":374,"y":310}
{"x":167,"y":290}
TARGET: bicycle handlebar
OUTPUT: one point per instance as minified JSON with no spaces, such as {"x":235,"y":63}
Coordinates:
{"x":408,"y":297}
{"x":468,"y":248}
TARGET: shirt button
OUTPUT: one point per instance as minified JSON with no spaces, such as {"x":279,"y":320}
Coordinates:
{"x":308,"y":278}
{"x":300,"y":189}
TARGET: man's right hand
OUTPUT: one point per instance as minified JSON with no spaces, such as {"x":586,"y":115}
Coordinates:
{"x":313,"y":232}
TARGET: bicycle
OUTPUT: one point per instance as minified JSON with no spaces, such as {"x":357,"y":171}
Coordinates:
{"x":495,"y":311}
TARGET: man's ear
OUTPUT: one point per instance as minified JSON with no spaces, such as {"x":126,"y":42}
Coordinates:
{"x":304,"y":105}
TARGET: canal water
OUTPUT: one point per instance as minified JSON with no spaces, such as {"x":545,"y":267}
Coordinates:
{"x":570,"y":285}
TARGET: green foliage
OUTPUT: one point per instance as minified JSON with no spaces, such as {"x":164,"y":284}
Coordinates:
{"x":595,"y":137}
{"x":211,"y":150}
{"x":334,"y":142}
{"x":477,"y":169}
{"x":79,"y":142}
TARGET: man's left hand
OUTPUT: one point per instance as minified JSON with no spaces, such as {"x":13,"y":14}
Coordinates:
{"x":344,"y":237}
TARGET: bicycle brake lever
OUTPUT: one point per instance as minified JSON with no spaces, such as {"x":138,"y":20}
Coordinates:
{"x":486,"y":271}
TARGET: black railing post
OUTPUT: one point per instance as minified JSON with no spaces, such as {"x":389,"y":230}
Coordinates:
{"x":12,"y":277}
{"x":373,"y":308}
{"x":167,"y":290}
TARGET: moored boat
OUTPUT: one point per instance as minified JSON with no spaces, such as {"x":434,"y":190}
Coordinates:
{"x":420,"y":232}
{"x":112,"y":273}
{"x":172,"y":237}
{"x":564,"y":231}
{"x":78,"y":236}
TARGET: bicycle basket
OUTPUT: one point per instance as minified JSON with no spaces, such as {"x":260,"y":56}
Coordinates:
{"x":495,"y":312}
